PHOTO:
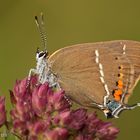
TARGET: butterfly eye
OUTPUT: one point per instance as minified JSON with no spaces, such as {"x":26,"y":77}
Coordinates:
{"x":42,"y":53}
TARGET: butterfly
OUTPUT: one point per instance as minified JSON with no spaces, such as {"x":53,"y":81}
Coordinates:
{"x":101,"y":75}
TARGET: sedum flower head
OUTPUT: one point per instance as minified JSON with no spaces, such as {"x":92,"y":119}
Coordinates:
{"x":42,"y":113}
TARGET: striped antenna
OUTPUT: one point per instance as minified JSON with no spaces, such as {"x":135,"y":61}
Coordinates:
{"x":40,"y":26}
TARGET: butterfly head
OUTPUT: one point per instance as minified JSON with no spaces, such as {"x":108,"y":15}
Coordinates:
{"x":40,"y":55}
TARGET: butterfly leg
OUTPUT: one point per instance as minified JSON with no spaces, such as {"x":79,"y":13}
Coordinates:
{"x":119,"y":110}
{"x":133,"y":106}
{"x":98,"y":105}
{"x":116,"y":114}
{"x":29,"y":75}
{"x":68,"y":99}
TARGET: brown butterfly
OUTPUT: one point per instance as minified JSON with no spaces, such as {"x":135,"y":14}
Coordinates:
{"x":101,"y":75}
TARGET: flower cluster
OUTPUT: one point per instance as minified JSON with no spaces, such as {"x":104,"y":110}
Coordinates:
{"x":2,"y":111}
{"x":42,"y":113}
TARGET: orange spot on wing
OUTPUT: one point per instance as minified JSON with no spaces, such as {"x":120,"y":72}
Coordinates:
{"x":117,"y":98}
{"x":120,"y":82}
{"x":118,"y":92}
{"x":120,"y":86}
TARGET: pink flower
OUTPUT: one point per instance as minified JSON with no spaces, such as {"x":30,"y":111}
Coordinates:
{"x":57,"y":134}
{"x":37,"y":127}
{"x":82,"y":137}
{"x":39,"y":98}
{"x":40,"y":112}
{"x":96,"y":128}
{"x":20,"y":127}
{"x":77,"y":119}
{"x":107,"y":132}
{"x":12,"y":97}
{"x":20,"y":88}
{"x":2,"y":111}
{"x":62,"y":118}
{"x":57,"y":100}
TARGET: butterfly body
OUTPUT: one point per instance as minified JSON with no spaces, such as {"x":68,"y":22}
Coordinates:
{"x":43,"y":70}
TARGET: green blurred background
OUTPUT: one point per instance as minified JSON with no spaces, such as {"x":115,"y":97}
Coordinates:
{"x":67,"y":22}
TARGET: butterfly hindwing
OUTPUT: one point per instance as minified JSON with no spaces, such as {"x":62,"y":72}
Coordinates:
{"x":79,"y":74}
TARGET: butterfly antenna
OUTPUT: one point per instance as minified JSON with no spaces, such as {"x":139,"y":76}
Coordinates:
{"x":40,"y":26}
{"x":44,"y":31}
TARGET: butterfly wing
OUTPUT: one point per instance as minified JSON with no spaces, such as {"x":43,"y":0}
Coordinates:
{"x":79,"y":74}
